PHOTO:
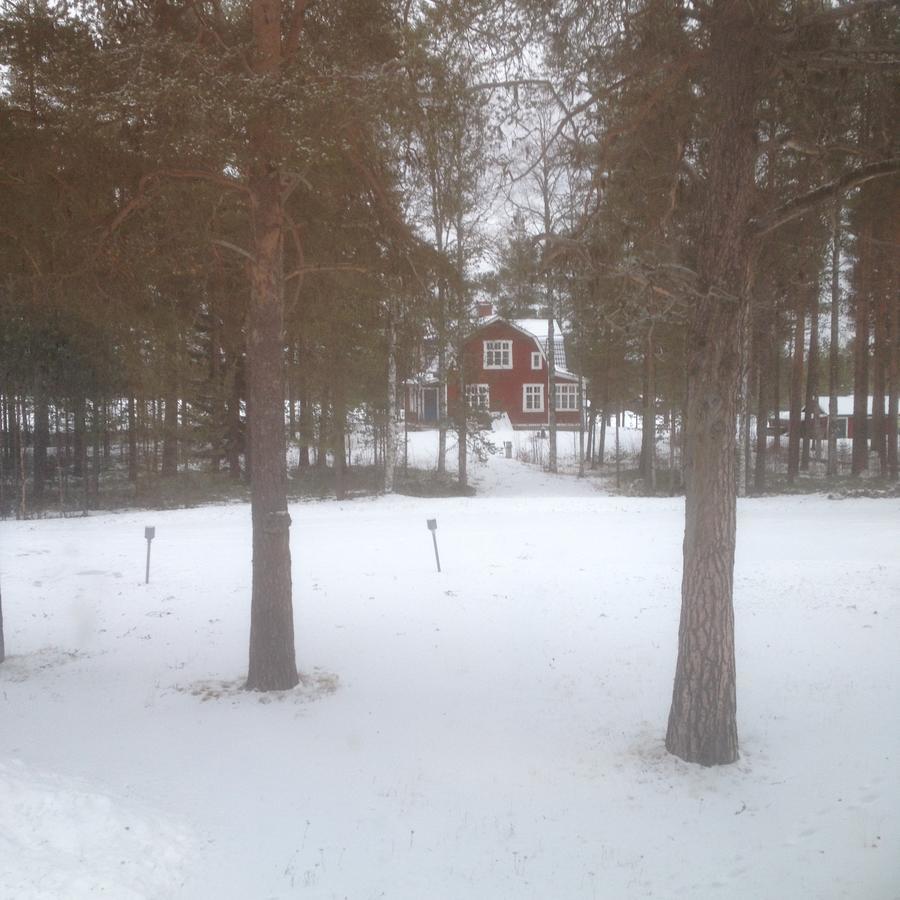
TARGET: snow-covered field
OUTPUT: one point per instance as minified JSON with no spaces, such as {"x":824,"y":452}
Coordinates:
{"x":493,"y":731}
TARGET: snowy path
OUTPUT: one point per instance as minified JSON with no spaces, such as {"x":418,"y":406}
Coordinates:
{"x":494,"y":731}
{"x":501,"y":477}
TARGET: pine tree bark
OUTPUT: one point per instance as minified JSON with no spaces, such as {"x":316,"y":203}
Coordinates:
{"x":811,"y":398}
{"x":390,"y":450}
{"x":41,"y":440}
{"x":96,"y":457}
{"x":893,"y":386}
{"x":879,"y":380}
{"x":834,"y":339}
{"x":860,"y":457}
{"x":796,"y":411}
{"x":78,"y":449}
{"x":762,"y":353}
{"x":338,"y":436}
{"x":170,"y":415}
{"x":648,"y":417}
{"x":132,"y":441}
{"x":703,"y":718}
{"x":778,"y":345}
{"x":272,"y":659}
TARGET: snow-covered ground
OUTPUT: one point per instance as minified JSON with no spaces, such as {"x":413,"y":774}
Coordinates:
{"x":493,"y":731}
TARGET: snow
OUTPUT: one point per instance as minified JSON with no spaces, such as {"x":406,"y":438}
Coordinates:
{"x":493,"y":731}
{"x":845,"y":406}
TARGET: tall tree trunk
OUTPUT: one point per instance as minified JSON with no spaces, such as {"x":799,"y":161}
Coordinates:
{"x":338,"y":434}
{"x":776,"y":387}
{"x":551,"y":379}
{"x":648,"y":417}
{"x":743,"y":411}
{"x":796,"y":402}
{"x":96,"y":443}
{"x":834,"y":339}
{"x":305,"y":423}
{"x":170,"y":416}
{"x":132,"y":441}
{"x":390,"y":455}
{"x":322,"y":433}
{"x":763,"y":354}
{"x":442,"y":376}
{"x":860,"y":459}
{"x":272,"y":659}
{"x":811,"y":398}
{"x":601,"y":446}
{"x":78,"y":449}
{"x":106,"y":432}
{"x":702,"y":721}
{"x":41,"y":440}
{"x":879,"y":380}
{"x":462,"y":320}
{"x":893,"y":384}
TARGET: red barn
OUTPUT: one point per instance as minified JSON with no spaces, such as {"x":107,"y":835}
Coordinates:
{"x":506,"y":372}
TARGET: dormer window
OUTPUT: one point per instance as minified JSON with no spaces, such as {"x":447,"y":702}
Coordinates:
{"x":498,"y":354}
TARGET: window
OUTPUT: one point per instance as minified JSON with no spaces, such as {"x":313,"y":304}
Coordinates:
{"x":478,"y":396}
{"x":566,"y":396}
{"x":535,"y":360}
{"x":532,"y":397}
{"x":498,"y":354}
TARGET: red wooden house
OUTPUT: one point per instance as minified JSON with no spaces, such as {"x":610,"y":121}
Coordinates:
{"x":506,"y":369}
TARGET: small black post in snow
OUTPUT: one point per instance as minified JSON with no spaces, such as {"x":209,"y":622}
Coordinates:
{"x":432,"y":527}
{"x":149,"y":534}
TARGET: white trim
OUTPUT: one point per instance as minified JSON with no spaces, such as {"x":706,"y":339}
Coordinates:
{"x":571,"y":391}
{"x":480,"y":394}
{"x":526,"y":394}
{"x":502,"y":347}
{"x":536,"y":358}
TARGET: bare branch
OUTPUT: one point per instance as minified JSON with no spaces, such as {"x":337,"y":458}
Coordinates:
{"x":299,"y":273}
{"x":141,"y":199}
{"x":801,"y":205}
{"x":239,"y":250}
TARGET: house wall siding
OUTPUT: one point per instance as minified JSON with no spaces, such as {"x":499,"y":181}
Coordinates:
{"x":506,"y":385}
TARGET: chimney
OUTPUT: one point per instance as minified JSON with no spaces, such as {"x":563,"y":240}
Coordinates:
{"x":484,"y":309}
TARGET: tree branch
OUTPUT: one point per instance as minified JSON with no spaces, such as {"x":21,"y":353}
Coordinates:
{"x":141,"y":199}
{"x":229,"y":246}
{"x":801,"y":205}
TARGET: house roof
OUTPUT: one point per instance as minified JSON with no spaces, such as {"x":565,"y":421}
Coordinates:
{"x":844,"y":406}
{"x":538,"y":330}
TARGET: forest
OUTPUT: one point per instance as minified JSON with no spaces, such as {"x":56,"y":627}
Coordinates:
{"x":230,"y":229}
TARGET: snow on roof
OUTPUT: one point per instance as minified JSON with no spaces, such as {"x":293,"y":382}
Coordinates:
{"x":537,"y":328}
{"x":844,"y":406}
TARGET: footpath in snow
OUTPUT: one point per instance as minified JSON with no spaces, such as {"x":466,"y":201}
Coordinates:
{"x":492,"y":731}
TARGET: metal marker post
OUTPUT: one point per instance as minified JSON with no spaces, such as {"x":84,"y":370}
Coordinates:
{"x":149,"y":533}
{"x":432,"y":527}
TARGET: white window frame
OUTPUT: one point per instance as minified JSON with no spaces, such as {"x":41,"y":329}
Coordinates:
{"x":571,"y":391}
{"x":537,"y":389}
{"x":536,"y":363}
{"x":497,"y":349}
{"x":478,"y":396}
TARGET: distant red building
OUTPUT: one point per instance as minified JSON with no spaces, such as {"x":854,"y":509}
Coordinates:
{"x":506,"y":369}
